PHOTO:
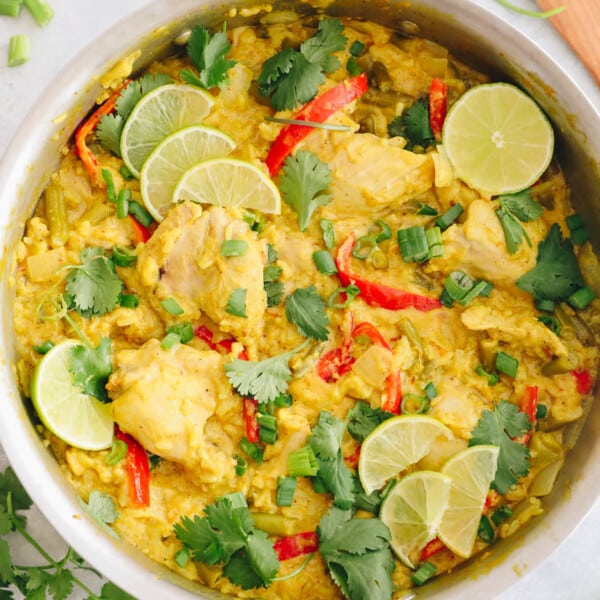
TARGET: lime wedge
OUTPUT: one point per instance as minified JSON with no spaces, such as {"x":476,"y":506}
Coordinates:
{"x":413,"y":511}
{"x":158,"y":114}
{"x":395,"y":445}
{"x":498,"y":139}
{"x":75,"y":417}
{"x":172,"y":158}
{"x":229,"y":182}
{"x":471,"y":471}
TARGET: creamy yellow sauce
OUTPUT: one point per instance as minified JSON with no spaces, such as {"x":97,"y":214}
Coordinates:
{"x":179,"y":403}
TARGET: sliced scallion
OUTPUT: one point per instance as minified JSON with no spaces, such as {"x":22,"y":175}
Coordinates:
{"x":328,"y":233}
{"x":172,"y":307}
{"x":434,"y":241}
{"x":502,"y":513}
{"x":581,"y":298}
{"x":302,"y":462}
{"x":254,"y":451}
{"x":283,"y":401}
{"x":170,"y":340}
{"x":353,"y":67}
{"x":426,"y":210}
{"x":507,"y":364}
{"x":545,"y":304}
{"x":343,"y":296}
{"x":117,"y":453}
{"x":430,"y":390}
{"x":126,"y":174}
{"x":413,"y":244}
{"x":423,"y":573}
{"x":444,"y":221}
{"x":286,"y":488}
{"x":458,"y":284}
{"x":111,"y":192}
{"x":129,"y":300}
{"x":184,"y":330}
{"x":551,"y":322}
{"x":41,"y":11}
{"x":324,"y":262}
{"x":356,"y":48}
{"x":492,"y":378}
{"x":541,"y":411}
{"x":18,"y":49}
{"x":579,"y":234}
{"x":414,"y":405}
{"x":363,"y":247}
{"x":44,"y":348}
{"x":182,"y":558}
{"x":241,"y":465}
{"x":479,"y":287}
{"x":314,"y":124}
{"x":10,"y":8}
{"x":485,"y":532}
{"x":236,"y":305}
{"x":123,"y":198}
{"x":234,"y":248}
{"x":123,"y":257}
{"x":381,"y":231}
{"x":141,"y":215}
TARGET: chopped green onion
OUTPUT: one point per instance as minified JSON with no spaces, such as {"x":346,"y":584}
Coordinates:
{"x":446,"y":299}
{"x":41,"y":11}
{"x":237,"y":500}
{"x":111,"y":192}
{"x":324,"y":262}
{"x":475,"y":291}
{"x":141,"y":215}
{"x":172,"y":307}
{"x":234,"y":248}
{"x":458,"y":284}
{"x":302,"y":462}
{"x":286,"y":488}
{"x":485,"y":532}
{"x":254,"y":451}
{"x":449,"y":217}
{"x":117,"y":453}
{"x":492,"y":378}
{"x":379,"y":258}
{"x":267,"y":428}
{"x":267,"y":436}
{"x":427,"y":210}
{"x":381,"y":230}
{"x":124,"y":257}
{"x":170,"y":340}
{"x":507,"y":364}
{"x":304,"y":123}
{"x":414,"y":405}
{"x":126,"y":174}
{"x":581,"y":298}
{"x":184,"y":330}
{"x":430,"y":390}
{"x":283,"y":401}
{"x":353,"y":67}
{"x":18,"y":50}
{"x":363,"y":247}
{"x":123,"y":203}
{"x":241,"y":465}
{"x":10,"y":8}
{"x":356,"y":48}
{"x":44,"y":348}
{"x":545,"y":304}
{"x":349,"y":292}
{"x":413,"y":244}
{"x":319,"y":486}
{"x":551,"y":322}
{"x":579,"y":234}
{"x":328,"y":233}
{"x":487,"y":290}
{"x":129,"y":300}
{"x":154,"y":460}
{"x":501,"y":514}
{"x":423,"y":573}
{"x":541,"y":411}
{"x":182,"y":558}
{"x":236,"y":305}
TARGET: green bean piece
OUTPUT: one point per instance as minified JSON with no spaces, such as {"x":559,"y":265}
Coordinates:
{"x":56,"y":214}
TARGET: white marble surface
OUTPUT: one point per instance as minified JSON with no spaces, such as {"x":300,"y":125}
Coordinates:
{"x":572,"y":570}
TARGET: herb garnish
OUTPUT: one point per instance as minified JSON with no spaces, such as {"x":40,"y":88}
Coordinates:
{"x":293,"y":77}
{"x":101,"y":507}
{"x":306,"y":309}
{"x":271,"y":274}
{"x":414,"y":126}
{"x":91,"y":368}
{"x":514,"y":208}
{"x":362,"y":419}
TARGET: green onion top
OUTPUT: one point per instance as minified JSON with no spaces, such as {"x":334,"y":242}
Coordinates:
{"x":286,"y":488}
{"x":234,"y":248}
{"x":236,"y":304}
{"x":444,"y":221}
{"x":172,"y":307}
{"x":507,"y":364}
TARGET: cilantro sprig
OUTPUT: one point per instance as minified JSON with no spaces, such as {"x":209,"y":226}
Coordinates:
{"x":91,"y":368}
{"x":207,"y":53}
{"x":293,"y":77}
{"x":516,"y":209}
{"x":110,"y":127}
{"x":306,"y":309}
{"x":227,"y":536}
{"x":414,"y":126}
{"x":55,"y":579}
{"x":502,"y":427}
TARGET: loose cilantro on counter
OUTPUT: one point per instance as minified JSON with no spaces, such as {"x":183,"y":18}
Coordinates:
{"x":514,"y":209}
{"x":556,"y":274}
{"x":501,"y":427}
{"x":306,"y":309}
{"x":227,"y":536}
{"x":357,"y":554}
{"x":303,"y":179}
{"x":293,"y":77}
{"x":91,"y":368}
{"x":414,"y":126}
{"x":110,"y":127}
{"x":207,"y":53}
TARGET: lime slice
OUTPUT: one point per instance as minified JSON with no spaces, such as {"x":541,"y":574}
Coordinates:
{"x":395,"y":445}
{"x":75,"y":417}
{"x":413,"y":511}
{"x":158,"y":114}
{"x":498,"y":139}
{"x":172,"y":158}
{"x":229,"y":182}
{"x":471,"y":471}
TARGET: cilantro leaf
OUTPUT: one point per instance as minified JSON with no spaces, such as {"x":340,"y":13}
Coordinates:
{"x":302,"y":178}
{"x":263,"y":380}
{"x":357,"y":554}
{"x":232,"y":525}
{"x":61,"y":584}
{"x":239,"y":571}
{"x":274,"y":291}
{"x":414,"y":126}
{"x":329,"y":38}
{"x":271,"y":274}
{"x":110,"y":591}
{"x":6,"y":572}
{"x":514,"y":208}
{"x":101,"y":507}
{"x":10,"y":484}
{"x":261,"y":561}
{"x":108,"y":133}
{"x":207,"y":54}
{"x":362,"y":419}
{"x":499,"y":428}
{"x":326,"y":435}
{"x":514,"y":232}
{"x":91,"y":368}
{"x":306,"y":309}
{"x":556,"y":274}
{"x":197,"y":535}
{"x":93,"y":288}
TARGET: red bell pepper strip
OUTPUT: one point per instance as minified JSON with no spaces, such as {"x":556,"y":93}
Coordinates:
{"x":432,"y":547}
{"x":85,"y":154}
{"x":369,"y":330}
{"x":584,"y":381}
{"x":317,"y":110}
{"x":528,"y":405}
{"x":138,"y":470}
{"x":438,"y":100}
{"x":377,"y":294}
{"x":252,"y":427}
{"x":296,"y":545}
{"x":392,"y":399}
{"x":141,"y":234}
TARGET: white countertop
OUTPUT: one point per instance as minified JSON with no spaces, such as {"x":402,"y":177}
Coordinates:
{"x":572,"y":570}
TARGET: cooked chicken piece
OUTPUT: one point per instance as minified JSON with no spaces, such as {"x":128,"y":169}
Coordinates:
{"x":183,"y":260}
{"x":163,"y":398}
{"x":478,"y":247}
